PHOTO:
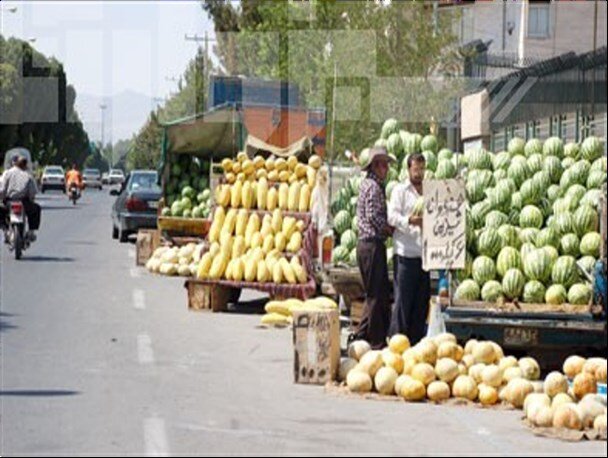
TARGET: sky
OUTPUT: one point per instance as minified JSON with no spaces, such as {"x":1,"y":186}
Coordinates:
{"x":128,"y":51}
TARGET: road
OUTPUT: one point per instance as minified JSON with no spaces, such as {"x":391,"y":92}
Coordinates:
{"x":100,"y":358}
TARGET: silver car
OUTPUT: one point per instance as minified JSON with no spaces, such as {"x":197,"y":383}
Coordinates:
{"x":53,"y":177}
{"x":92,"y":178}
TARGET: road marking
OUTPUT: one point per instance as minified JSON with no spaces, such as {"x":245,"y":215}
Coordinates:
{"x":155,"y":437}
{"x":139,"y":299}
{"x":145,"y":354}
{"x":131,"y":253}
{"x":135,"y":272}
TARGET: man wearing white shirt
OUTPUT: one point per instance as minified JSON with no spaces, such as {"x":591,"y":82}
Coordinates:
{"x":412,"y":284}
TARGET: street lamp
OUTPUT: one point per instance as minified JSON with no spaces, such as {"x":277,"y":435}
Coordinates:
{"x":103,"y":107}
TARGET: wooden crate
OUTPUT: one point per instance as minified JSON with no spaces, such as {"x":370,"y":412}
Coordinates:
{"x":148,"y":240}
{"x":316,"y":343}
{"x":207,"y":296}
{"x":185,"y":226}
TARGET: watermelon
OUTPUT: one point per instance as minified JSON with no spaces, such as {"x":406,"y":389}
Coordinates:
{"x":531,"y":216}
{"x":537,"y":265}
{"x":509,"y":235}
{"x":569,"y":245}
{"x":508,"y":258}
{"x":348,"y":239}
{"x":352,"y":257}
{"x":468,"y":290}
{"x":485,"y":177}
{"x":166,"y":212}
{"x":186,"y":203}
{"x":517,"y":201}
{"x":535,"y":163}
{"x":533,"y":146}
{"x":445,"y":154}
{"x":514,"y":215}
{"x":429,"y":143}
{"x":534,"y":292}
{"x":591,"y":244}
{"x":177,"y":208}
{"x":576,"y":192}
{"x":572,"y":150}
{"x":364,"y":158}
{"x":542,"y":180}
{"x":585,"y":220}
{"x":519,"y":172}
{"x":502,"y":194}
{"x":489,"y":243}
{"x":495,"y":219}
{"x":467,"y":272}
{"x":546,"y":207}
{"x":390,"y":126}
{"x":484,"y":270}
{"x":596,"y":179}
{"x":529,"y":235}
{"x":381,"y":143}
{"x":525,"y":250}
{"x":513,"y":283}
{"x":587,"y":263}
{"x":567,"y":179}
{"x":600,"y":164}
{"x":565,"y":271}
{"x":551,"y":252}
{"x":392,"y":175}
{"x":459,"y":162}
{"x":592,"y":148}
{"x":501,"y":161}
{"x":187,"y":213}
{"x":530,"y":192}
{"x":394,"y":145}
{"x":563,"y":223}
{"x":340,"y":254}
{"x":580,"y":171}
{"x":428,"y":175}
{"x":355,"y":226}
{"x":176,"y":170}
{"x":580,"y":294}
{"x":592,"y":198}
{"x":500,"y":174}
{"x":561,"y":205}
{"x":491,"y":291}
{"x":547,"y":237}
{"x":431,"y":160}
{"x":197,"y":212}
{"x":554,"y":192}
{"x":554,"y":146}
{"x":568,"y":162}
{"x":445,"y":170}
{"x":553,"y":166}
{"x":516,"y":146}
{"x":480,"y":159}
{"x":556,"y":295}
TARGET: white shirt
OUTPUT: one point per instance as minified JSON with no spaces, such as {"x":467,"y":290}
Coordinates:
{"x":407,"y":239}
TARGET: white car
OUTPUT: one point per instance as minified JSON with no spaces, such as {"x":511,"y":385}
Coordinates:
{"x":91,"y":178}
{"x":53,"y":177}
{"x":116,"y":176}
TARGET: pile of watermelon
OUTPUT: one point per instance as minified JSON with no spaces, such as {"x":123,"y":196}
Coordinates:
{"x":187,"y":193}
{"x":533,"y":219}
{"x":399,"y":144}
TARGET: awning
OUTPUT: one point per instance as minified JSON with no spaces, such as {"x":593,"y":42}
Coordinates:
{"x":302,"y":148}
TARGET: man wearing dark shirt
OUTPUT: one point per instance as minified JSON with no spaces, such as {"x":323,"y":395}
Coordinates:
{"x":372,"y":221}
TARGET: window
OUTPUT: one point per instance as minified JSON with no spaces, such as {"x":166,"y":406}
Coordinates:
{"x":538,"y":20}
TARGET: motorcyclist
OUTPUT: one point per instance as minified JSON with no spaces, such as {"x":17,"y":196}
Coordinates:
{"x":19,"y":185}
{"x":73,"y":177}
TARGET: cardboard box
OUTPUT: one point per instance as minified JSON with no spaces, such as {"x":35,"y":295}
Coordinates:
{"x":147,"y":242}
{"x":316,"y":343}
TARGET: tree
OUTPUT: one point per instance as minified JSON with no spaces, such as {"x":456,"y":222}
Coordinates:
{"x":383,"y":59}
{"x":41,"y":120}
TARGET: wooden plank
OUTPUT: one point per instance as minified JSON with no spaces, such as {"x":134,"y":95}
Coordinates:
{"x":186,"y":226}
{"x":523,"y":308}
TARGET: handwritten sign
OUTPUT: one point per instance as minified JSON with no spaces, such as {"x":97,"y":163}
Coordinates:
{"x":444,"y":225}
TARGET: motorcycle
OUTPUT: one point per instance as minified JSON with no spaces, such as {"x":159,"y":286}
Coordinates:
{"x":16,"y":234}
{"x":74,"y":193}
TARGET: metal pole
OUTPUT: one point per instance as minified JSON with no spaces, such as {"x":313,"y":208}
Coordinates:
{"x":103,"y":106}
{"x":333,"y":131}
{"x":523,"y":27}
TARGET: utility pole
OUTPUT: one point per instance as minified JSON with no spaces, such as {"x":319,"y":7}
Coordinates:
{"x":103,"y":107}
{"x":206,"y":40}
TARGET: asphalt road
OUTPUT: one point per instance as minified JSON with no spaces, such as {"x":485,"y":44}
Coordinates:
{"x":100,"y":358}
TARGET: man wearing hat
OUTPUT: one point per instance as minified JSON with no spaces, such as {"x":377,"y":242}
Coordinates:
{"x":372,"y":221}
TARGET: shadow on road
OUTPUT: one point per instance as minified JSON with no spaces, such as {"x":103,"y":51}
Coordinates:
{"x":5,"y":325}
{"x":38,"y":393}
{"x":253,"y":307}
{"x":62,"y":207}
{"x":46,"y":259}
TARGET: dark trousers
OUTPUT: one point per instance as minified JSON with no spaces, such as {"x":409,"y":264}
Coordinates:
{"x":33,"y":211}
{"x":412,"y":296}
{"x":371,"y":257}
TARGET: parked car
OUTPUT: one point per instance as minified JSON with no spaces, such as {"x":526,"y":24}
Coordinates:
{"x":91,"y":178}
{"x":53,"y":177}
{"x":104,"y":178}
{"x":136,"y":204}
{"x":116,"y":176}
